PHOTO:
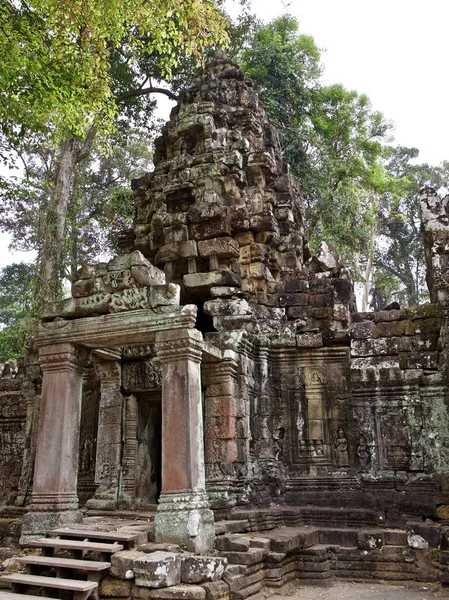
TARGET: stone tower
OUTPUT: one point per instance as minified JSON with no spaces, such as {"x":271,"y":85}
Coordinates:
{"x":220,"y":214}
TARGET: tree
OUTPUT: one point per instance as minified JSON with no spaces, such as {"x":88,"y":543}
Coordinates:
{"x":399,"y":264}
{"x":15,"y":305}
{"x":57,"y":61}
{"x":332,"y":138}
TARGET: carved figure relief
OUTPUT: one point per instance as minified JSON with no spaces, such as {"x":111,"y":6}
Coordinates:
{"x":341,"y":449}
{"x":364,"y":454}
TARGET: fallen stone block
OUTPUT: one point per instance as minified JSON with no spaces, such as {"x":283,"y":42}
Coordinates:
{"x":201,"y":569}
{"x":179,"y":592}
{"x":158,"y":569}
{"x":229,"y":543}
{"x":123,"y":563}
{"x":110,"y":587}
{"x":216,"y":590}
{"x":250,"y":557}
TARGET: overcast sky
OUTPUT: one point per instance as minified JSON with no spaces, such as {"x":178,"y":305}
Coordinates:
{"x":395,"y":51}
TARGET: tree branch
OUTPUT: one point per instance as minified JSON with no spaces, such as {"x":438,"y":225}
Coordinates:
{"x":84,"y":151}
{"x":145,"y":92}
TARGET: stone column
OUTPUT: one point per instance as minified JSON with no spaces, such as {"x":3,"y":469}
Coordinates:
{"x":54,"y":499}
{"x":222,"y":443}
{"x":183,"y":516}
{"x":127,"y":493}
{"x":109,"y":433}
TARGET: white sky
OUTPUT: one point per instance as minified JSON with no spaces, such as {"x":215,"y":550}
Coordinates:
{"x":395,"y":51}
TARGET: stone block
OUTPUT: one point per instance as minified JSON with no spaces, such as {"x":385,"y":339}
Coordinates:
{"x":395,"y":537}
{"x":158,"y":569}
{"x":426,"y":311}
{"x":418,"y":360}
{"x":225,"y":292}
{"x":201,"y":569}
{"x":176,"y":251}
{"x":110,"y":587}
{"x":343,"y":290}
{"x":375,"y":347}
{"x":165,"y":295}
{"x":390,"y":315}
{"x":86,"y":272}
{"x":293,"y":286}
{"x":204,"y":281}
{"x":154,"y":547}
{"x":85,"y":287}
{"x":251,"y":557}
{"x":362,"y":330}
{"x":260,"y":252}
{"x":393,"y":329}
{"x":147,"y":275}
{"x":212,"y":228}
{"x":426,"y":326}
{"x":216,"y":590}
{"x":231,"y":543}
{"x":224,"y":307}
{"x":179,"y":592}
{"x":122,"y":563}
{"x":297,"y":299}
{"x":222,"y":247}
{"x":320,"y":300}
{"x":309,"y":340}
{"x":244,"y":238}
{"x":367,"y":540}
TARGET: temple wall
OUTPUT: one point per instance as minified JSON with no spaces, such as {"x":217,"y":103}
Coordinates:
{"x":13,"y":413}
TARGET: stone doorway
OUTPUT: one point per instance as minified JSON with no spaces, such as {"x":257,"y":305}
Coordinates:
{"x":149,"y":449}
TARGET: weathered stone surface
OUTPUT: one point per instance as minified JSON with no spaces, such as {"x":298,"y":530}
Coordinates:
{"x":204,"y":281}
{"x":110,"y":587}
{"x":223,"y":247}
{"x":179,"y":592}
{"x":201,"y":569}
{"x":154,"y":547}
{"x":158,"y":569}
{"x":122,"y":563}
{"x":216,"y":590}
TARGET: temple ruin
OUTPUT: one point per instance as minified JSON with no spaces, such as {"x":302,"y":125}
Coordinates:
{"x":218,"y":371}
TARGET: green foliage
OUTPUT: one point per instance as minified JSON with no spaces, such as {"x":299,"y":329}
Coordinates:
{"x":55,"y":56}
{"x":15,"y":304}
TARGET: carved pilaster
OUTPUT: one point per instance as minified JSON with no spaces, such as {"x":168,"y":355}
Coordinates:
{"x":183,"y":513}
{"x":54,"y":500}
{"x":109,"y":434}
{"x":127,"y":496}
{"x":222,"y":442}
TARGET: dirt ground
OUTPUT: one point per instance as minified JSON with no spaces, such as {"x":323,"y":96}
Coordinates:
{"x":363,"y":591}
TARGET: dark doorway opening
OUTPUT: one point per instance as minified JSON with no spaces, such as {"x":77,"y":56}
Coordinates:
{"x":149,"y":449}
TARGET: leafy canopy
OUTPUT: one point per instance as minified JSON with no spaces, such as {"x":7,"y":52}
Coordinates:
{"x":55,"y":72}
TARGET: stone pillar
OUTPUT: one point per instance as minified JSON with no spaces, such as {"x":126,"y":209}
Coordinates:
{"x":109,"y":433}
{"x":222,"y":443}
{"x":127,"y":495}
{"x":183,"y":516}
{"x":54,"y":500}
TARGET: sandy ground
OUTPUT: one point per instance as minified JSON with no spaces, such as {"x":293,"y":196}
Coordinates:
{"x":363,"y":591}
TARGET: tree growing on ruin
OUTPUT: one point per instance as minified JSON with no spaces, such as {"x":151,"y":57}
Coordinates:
{"x":59,"y":62}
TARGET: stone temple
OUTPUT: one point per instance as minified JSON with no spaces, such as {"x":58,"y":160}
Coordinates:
{"x":219,"y":371}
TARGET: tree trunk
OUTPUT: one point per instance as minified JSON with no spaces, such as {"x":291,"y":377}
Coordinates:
{"x":49,"y":284}
{"x":71,"y":152}
{"x":369,"y":268}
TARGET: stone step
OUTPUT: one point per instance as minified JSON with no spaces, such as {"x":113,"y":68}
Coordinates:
{"x":75,"y":545}
{"x":236,"y":526}
{"x":124,"y":537}
{"x":81,"y":589}
{"x":64,"y":563}
{"x":15,"y":596}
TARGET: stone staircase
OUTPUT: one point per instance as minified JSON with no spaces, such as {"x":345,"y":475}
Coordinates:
{"x":72,"y":563}
{"x":317,"y":555}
